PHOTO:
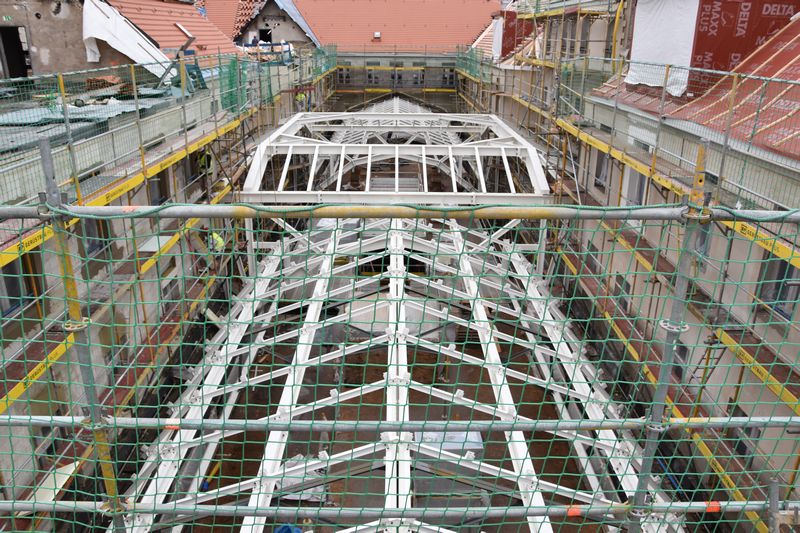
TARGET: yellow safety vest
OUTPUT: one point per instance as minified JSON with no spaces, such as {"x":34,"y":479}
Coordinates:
{"x":217,"y":242}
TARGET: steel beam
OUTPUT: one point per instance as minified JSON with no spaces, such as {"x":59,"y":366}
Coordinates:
{"x":167,"y":455}
{"x":276,"y":441}
{"x":397,"y":483}
{"x":527,"y":479}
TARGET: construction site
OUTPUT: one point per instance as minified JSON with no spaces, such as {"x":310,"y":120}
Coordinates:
{"x":405,"y":266}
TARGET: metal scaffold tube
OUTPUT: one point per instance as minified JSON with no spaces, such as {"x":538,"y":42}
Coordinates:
{"x":82,"y":348}
{"x":673,"y":327}
{"x":290,"y":513}
{"x":476,"y":212}
{"x":239,"y":425}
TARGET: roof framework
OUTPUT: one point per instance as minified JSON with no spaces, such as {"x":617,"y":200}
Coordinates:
{"x":394,"y":152}
{"x":311,"y":271}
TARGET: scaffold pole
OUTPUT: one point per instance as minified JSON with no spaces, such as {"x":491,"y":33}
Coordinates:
{"x":78,"y":325}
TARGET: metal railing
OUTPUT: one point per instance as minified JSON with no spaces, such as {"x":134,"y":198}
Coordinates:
{"x":107,"y":124}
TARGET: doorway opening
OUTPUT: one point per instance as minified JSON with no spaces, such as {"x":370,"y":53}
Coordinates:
{"x":14,"y":55}
{"x":265,"y":35}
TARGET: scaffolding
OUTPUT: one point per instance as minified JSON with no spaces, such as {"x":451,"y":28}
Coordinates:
{"x":358,"y":365}
{"x":397,"y":321}
{"x":412,"y":370}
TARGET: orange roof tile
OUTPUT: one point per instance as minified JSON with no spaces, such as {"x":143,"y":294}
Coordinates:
{"x":407,"y":24}
{"x":157,"y":19}
{"x":485,"y":41}
{"x":223,"y":14}
{"x":230,"y":16}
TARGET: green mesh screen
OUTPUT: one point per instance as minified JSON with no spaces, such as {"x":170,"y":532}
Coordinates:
{"x":465,"y":374}
{"x":232,"y":84}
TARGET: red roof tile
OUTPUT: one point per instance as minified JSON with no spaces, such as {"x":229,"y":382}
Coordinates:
{"x":223,"y":14}
{"x":641,"y":97}
{"x":407,"y":24}
{"x":768,"y":115}
{"x":230,"y":16}
{"x":485,"y":41}
{"x":157,"y":19}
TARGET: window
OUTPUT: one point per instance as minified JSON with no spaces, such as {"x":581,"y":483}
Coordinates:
{"x":95,"y":236}
{"x":745,"y":438}
{"x":622,"y":291}
{"x":13,"y":289}
{"x":14,"y":53}
{"x":265,"y":35}
{"x":637,"y":184}
{"x":170,"y":287}
{"x":158,"y":188}
{"x":586,"y":26}
{"x":593,"y":259}
{"x":418,"y":77}
{"x":373,"y":78}
{"x":601,"y":170}
{"x":643,"y":145}
{"x":554,"y":36}
{"x":780,"y":286}
{"x":609,"y":43}
{"x":568,"y":38}
{"x":711,"y":178}
{"x":449,"y":77}
{"x":343,"y":76}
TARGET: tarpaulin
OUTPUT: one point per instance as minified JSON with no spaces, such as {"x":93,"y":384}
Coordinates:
{"x":102,"y":21}
{"x":663,"y":33}
{"x":515,"y":30}
{"x":729,"y":30}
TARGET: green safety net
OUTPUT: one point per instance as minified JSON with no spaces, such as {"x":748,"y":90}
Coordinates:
{"x":233,"y":77}
{"x":453,"y":372}
{"x":465,"y":374}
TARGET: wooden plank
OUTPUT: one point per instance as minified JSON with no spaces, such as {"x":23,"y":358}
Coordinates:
{"x":27,"y":382}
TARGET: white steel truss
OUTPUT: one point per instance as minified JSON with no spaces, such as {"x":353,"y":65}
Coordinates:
{"x":478,"y":159}
{"x":480,"y":269}
{"x":483,"y":281}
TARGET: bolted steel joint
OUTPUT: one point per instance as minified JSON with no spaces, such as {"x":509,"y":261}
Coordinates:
{"x":671,"y":326}
{"x":638,"y":514}
{"x":71,"y":326}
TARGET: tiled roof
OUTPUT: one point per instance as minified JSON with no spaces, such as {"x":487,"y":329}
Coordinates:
{"x":639,"y":96}
{"x":517,"y":36}
{"x":407,"y":24}
{"x":157,"y":19}
{"x":230,"y":16}
{"x":485,"y":41}
{"x":767,"y":116}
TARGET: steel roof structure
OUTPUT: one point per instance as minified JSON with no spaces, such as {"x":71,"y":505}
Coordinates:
{"x":391,"y":149}
{"x":306,"y":290}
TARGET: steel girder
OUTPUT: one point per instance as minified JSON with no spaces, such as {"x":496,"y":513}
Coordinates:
{"x":442,"y":141}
